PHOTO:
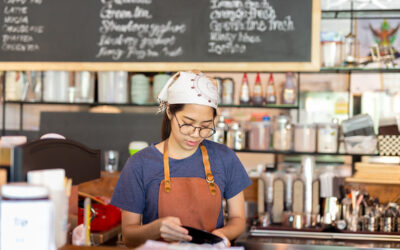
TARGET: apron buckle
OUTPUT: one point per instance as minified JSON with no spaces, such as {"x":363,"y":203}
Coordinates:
{"x":210,"y":178}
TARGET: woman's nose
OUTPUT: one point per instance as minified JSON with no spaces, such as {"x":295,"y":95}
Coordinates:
{"x":195,"y":132}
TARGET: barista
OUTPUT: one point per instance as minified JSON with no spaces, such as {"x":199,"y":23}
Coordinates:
{"x":182,"y":180}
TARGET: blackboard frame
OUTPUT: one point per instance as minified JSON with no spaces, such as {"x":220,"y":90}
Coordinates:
{"x":312,"y":65}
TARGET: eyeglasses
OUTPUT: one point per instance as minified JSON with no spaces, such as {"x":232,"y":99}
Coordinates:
{"x":188,"y":129}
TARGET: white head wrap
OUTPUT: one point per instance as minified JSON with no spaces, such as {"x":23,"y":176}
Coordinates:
{"x":189,"y":88}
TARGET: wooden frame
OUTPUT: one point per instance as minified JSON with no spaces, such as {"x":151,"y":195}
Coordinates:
{"x":314,"y":65}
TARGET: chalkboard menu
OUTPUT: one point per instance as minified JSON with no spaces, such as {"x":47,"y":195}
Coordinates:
{"x":159,"y":34}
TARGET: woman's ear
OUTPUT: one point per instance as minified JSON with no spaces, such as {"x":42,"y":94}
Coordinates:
{"x":168,"y":112}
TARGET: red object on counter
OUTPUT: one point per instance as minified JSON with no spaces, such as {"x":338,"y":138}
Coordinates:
{"x":107,"y":216}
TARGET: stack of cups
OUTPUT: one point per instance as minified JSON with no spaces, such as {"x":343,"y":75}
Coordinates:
{"x":140,"y":88}
{"x":113,"y":87}
{"x":158,"y":84}
{"x":14,"y":85}
{"x":53,"y":180}
{"x":84,"y":86}
{"x":55,"y":87}
{"x":136,"y":146}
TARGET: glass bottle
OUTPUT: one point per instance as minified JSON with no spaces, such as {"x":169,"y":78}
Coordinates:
{"x":245,"y":90}
{"x":258,"y":96}
{"x":289,"y":90}
{"x":228,"y":91}
{"x":271,"y":93}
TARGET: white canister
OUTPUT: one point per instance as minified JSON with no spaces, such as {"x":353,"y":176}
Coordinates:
{"x":328,"y":137}
{"x":55,"y":87}
{"x":305,"y":137}
{"x":140,"y":89}
{"x":26,"y":217}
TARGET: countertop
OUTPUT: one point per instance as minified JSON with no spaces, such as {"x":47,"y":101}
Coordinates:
{"x":283,"y":243}
{"x":71,"y":247}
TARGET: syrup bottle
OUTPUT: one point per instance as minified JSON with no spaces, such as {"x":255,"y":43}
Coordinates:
{"x":271,"y":93}
{"x":258,"y":96}
{"x":289,"y":90}
{"x":245,"y":90}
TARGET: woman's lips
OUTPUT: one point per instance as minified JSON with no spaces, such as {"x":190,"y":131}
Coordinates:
{"x":192,"y":143}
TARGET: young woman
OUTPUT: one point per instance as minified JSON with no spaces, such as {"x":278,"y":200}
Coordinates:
{"x":182,"y":180}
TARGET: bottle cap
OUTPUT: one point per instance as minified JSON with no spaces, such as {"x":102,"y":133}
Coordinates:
{"x":245,"y":77}
{"x":258,"y":79}
{"x":266,"y":118}
{"x":22,"y":190}
{"x":271,"y":77}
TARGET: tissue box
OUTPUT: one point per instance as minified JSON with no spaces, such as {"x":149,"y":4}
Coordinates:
{"x":389,"y":145}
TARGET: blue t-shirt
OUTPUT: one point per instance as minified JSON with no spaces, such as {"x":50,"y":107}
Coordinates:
{"x":139,"y":182}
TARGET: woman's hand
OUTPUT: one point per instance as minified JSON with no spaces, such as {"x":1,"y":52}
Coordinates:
{"x":220,"y":233}
{"x":171,"y":230}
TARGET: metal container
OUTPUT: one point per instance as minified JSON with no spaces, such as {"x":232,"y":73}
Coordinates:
{"x":236,"y":137}
{"x":329,"y":209}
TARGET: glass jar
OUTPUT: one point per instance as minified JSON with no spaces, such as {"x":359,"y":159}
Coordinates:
{"x":259,"y":135}
{"x":219,"y":135}
{"x":305,"y":137}
{"x":328,"y":137}
{"x":282,"y":133}
{"x":236,"y":137}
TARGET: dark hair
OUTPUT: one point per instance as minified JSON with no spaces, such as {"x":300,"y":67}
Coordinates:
{"x":166,"y":122}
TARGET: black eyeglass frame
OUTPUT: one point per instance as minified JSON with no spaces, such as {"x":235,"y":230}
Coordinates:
{"x":194,"y":128}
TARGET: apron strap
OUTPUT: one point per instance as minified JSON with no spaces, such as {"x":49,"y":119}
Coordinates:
{"x":167,"y":178}
{"x":207,"y":169}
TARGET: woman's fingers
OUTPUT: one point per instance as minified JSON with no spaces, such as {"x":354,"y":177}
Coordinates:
{"x":171,"y":230}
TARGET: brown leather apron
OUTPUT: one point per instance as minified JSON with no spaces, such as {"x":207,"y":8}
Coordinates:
{"x":194,"y":200}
